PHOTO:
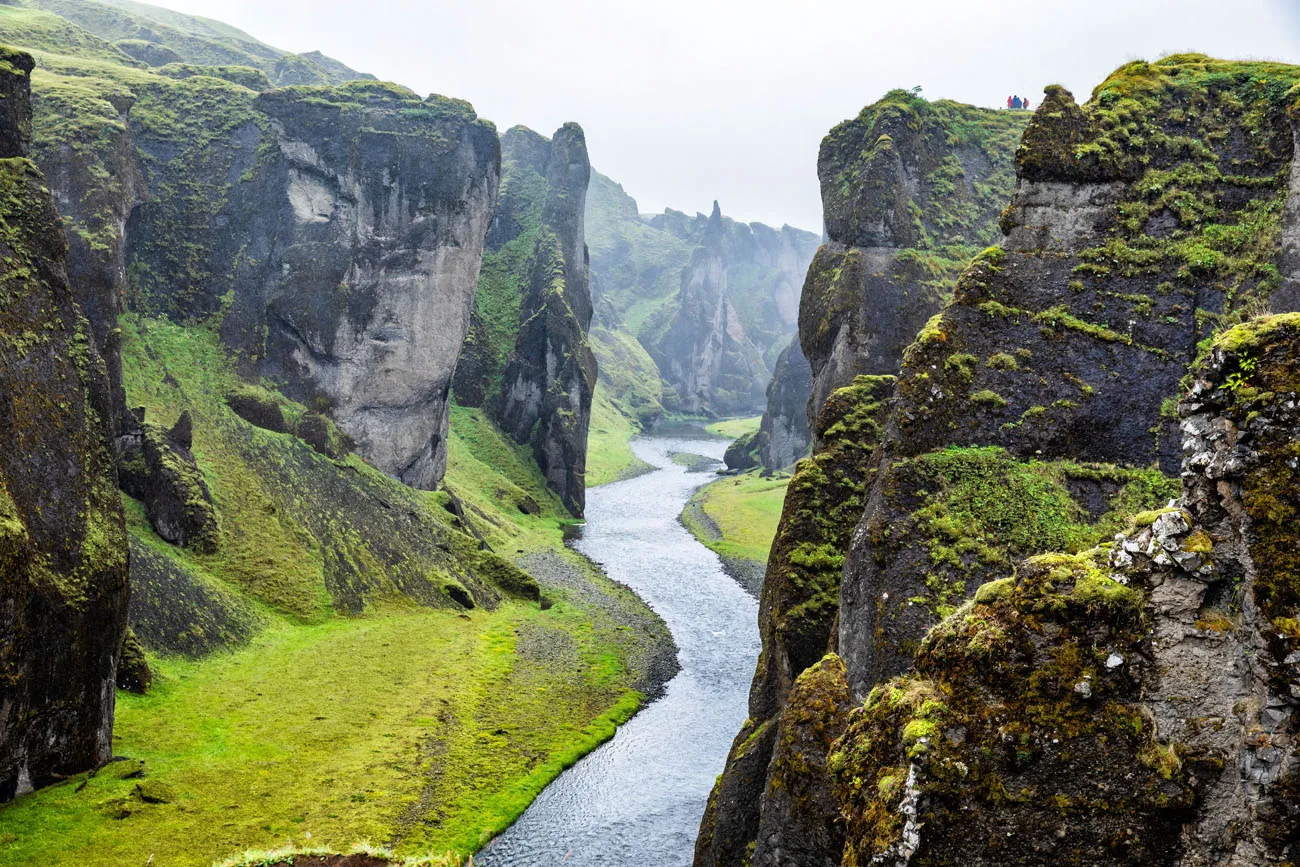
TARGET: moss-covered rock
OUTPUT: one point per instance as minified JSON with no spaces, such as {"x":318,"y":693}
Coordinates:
{"x":547,"y":385}
{"x":63,"y":557}
{"x":1135,"y":703}
{"x":801,"y":588}
{"x":1164,"y":225}
{"x":801,"y":821}
{"x":158,"y":468}
{"x":912,"y":190}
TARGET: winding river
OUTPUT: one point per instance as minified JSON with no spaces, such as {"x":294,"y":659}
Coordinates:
{"x":638,"y":799}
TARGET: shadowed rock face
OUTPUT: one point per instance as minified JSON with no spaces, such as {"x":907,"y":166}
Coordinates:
{"x":335,"y":233}
{"x":1072,"y":350}
{"x":784,"y":433}
{"x":63,"y":556}
{"x":868,"y":291}
{"x":547,"y":385}
{"x":911,"y":191}
{"x":1152,"y":685}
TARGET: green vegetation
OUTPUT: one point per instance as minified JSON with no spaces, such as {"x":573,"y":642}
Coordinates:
{"x":734,"y":428}
{"x":981,"y":510}
{"x":434,"y":728}
{"x":361,"y":728}
{"x":737,"y":516}
{"x":136,"y":28}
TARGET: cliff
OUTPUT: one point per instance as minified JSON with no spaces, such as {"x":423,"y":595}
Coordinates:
{"x":63,"y":546}
{"x":1125,"y":249}
{"x":1132,"y":703}
{"x":712,"y":301}
{"x":705,"y":350}
{"x":784,"y":433}
{"x":910,"y":188}
{"x":333,"y":233}
{"x":527,"y":355}
{"x":1037,"y":413}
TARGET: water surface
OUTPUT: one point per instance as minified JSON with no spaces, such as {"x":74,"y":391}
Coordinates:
{"x":638,"y":799}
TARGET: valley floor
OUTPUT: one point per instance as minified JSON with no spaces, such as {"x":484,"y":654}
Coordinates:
{"x":737,"y":516}
{"x":422,"y":728}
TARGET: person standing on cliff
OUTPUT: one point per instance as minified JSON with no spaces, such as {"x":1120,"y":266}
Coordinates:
{"x":1015,"y":102}
{"x":1025,"y":105}
{"x":1009,"y":105}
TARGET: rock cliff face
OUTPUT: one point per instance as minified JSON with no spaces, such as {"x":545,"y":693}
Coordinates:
{"x":335,"y":232}
{"x":527,"y":356}
{"x":375,"y":245}
{"x":911,"y":190}
{"x":1068,"y":345}
{"x":1135,"y":703}
{"x":713,"y":301}
{"x":1037,"y":413}
{"x":546,"y":397}
{"x":947,"y":170}
{"x":63,"y":554}
{"x":705,"y":353}
{"x":784,"y":434}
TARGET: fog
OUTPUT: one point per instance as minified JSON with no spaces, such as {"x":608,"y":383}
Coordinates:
{"x":687,"y":101}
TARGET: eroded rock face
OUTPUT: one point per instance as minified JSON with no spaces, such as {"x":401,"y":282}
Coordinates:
{"x":1136,"y":703}
{"x":371,"y":285}
{"x":705,"y":353}
{"x":796,"y":620}
{"x":334,"y":232}
{"x":867,"y":293}
{"x":1071,"y":351}
{"x":548,"y":383}
{"x":907,"y":203}
{"x":63,"y":554}
{"x":784,"y":429}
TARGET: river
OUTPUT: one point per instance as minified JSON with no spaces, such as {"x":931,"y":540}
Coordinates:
{"x":638,"y":798}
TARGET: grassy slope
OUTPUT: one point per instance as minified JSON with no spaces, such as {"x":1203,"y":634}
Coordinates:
{"x":743,"y":512}
{"x":382,"y":726}
{"x":734,"y":428}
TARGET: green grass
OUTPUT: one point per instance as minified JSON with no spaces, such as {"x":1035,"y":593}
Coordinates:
{"x":609,"y":456}
{"x":427,"y":730}
{"x":734,"y":428}
{"x":745,"y":509}
{"x":338,"y":732}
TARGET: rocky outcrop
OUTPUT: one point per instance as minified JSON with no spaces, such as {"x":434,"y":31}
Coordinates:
{"x":527,"y":355}
{"x":334,"y":232}
{"x":867,"y":293}
{"x":1136,"y":703}
{"x":381,"y":204}
{"x":796,"y":621}
{"x":705,"y":352}
{"x":785,"y":434}
{"x":911,"y":190}
{"x":713,"y":317}
{"x":1070,"y":351}
{"x":63,"y":549}
{"x":157,"y":467}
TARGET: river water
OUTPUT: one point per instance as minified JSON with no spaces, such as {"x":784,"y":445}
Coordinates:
{"x":638,"y":799}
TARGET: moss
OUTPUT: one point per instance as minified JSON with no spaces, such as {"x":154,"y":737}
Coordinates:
{"x":1002,"y":361}
{"x":988,"y":398}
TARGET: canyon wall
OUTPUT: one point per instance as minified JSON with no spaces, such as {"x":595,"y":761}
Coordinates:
{"x":63,"y":546}
{"x":912,"y":190}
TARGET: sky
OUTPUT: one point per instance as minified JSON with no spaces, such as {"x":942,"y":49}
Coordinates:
{"x":688,"y":101}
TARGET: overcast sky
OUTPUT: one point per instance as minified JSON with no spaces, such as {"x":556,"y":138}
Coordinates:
{"x":687,"y":101}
